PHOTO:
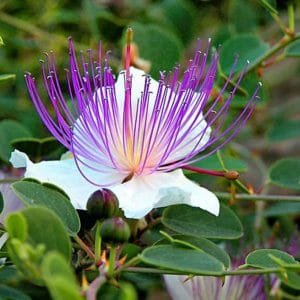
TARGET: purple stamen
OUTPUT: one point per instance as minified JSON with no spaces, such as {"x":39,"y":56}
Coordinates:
{"x":155,"y":127}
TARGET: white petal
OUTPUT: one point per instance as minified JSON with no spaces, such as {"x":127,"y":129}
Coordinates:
{"x":3,"y":240}
{"x":138,"y":82}
{"x":65,"y":175}
{"x":141,"y":194}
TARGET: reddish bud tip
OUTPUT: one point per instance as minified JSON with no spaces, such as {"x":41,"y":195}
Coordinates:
{"x":102,"y":204}
{"x":115,"y":231}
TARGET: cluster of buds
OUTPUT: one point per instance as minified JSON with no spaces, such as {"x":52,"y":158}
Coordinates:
{"x":103,"y":205}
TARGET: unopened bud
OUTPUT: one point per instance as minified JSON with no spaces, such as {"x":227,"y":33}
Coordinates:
{"x":115,"y":231}
{"x":102,"y":204}
{"x":232,"y":175}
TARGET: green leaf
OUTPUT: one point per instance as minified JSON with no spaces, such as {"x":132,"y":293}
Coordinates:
{"x":249,"y":84}
{"x":212,"y":162}
{"x":157,"y":45}
{"x":247,"y":46}
{"x":32,"y":193}
{"x":206,"y":246}
{"x":283,"y":130}
{"x":196,"y":222}
{"x":248,"y":22}
{"x":262,"y":258}
{"x":293,"y":50}
{"x":291,"y":279}
{"x":36,"y":148}
{"x":10,"y":130}
{"x":283,"y":208}
{"x":6,"y":77}
{"x":286,"y":173}
{"x":1,"y":41}
{"x":45,"y":228}
{"x":183,"y":260}
{"x":16,"y":226}
{"x":59,"y":277}
{"x":9,"y":274}
{"x":181,"y":14}
{"x":273,"y":258}
{"x":9,"y":293}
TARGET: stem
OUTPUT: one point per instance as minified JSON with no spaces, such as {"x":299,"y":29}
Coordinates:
{"x":221,"y":274}
{"x":84,"y":246}
{"x":112,"y":260}
{"x":203,"y":171}
{"x":135,"y":260}
{"x":291,"y":16}
{"x":97,"y":242}
{"x":279,"y":22}
{"x":237,"y":182}
{"x":277,"y":47}
{"x":256,"y":197}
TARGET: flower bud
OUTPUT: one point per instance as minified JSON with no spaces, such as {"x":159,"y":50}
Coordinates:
{"x":115,"y":231}
{"x":102,"y":204}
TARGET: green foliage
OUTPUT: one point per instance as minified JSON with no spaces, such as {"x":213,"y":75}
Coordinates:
{"x":37,"y":256}
{"x":185,"y":219}
{"x":266,"y":258}
{"x":10,"y":130}
{"x":158,"y":45}
{"x":7,"y":292}
{"x":286,"y":173}
{"x":293,"y":50}
{"x":181,"y":259}
{"x":59,"y":277}
{"x":283,"y":208}
{"x":32,"y":194}
{"x":247,"y":47}
{"x":52,"y":237}
{"x":212,"y":162}
{"x":6,"y":77}
{"x":181,"y":14}
{"x":37,"y":148}
{"x":273,"y":258}
{"x":249,"y":20}
{"x":283,"y":130}
{"x":203,"y":244}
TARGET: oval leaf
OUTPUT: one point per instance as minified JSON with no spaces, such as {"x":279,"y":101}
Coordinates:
{"x":16,"y":226}
{"x":286,"y":173}
{"x":283,"y":130}
{"x":293,"y":50}
{"x":262,"y":258}
{"x":59,"y":277}
{"x":246,"y":46}
{"x":183,"y":260}
{"x":167,"y":46}
{"x":44,"y":227}
{"x":208,"y":247}
{"x":283,"y":208}
{"x":199,"y":223}
{"x":32,"y":193}
{"x":7,"y":292}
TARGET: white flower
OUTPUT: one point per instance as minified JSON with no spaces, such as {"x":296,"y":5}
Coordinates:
{"x":137,"y":196}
